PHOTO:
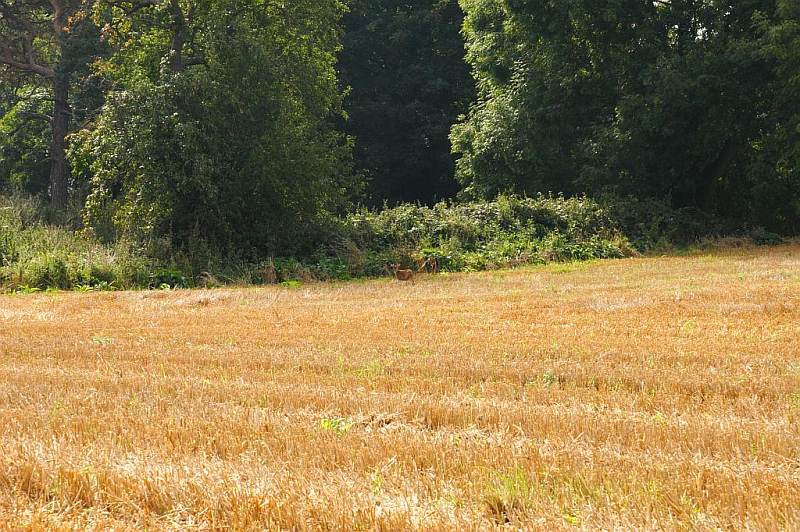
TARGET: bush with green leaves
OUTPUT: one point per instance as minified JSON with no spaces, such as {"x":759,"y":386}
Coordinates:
{"x":488,"y":234}
{"x":237,"y":152}
{"x":510,"y":231}
{"x":37,"y":255}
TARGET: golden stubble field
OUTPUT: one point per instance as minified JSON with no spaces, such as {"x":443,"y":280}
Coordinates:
{"x":657,"y":393}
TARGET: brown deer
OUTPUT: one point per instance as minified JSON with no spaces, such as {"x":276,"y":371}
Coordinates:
{"x":402,"y":275}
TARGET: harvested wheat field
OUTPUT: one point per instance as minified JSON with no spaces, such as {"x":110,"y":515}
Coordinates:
{"x":649,"y":393}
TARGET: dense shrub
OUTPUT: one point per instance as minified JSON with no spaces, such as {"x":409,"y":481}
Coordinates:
{"x":485,"y":235}
{"x":507,"y":232}
{"x":36,"y":255}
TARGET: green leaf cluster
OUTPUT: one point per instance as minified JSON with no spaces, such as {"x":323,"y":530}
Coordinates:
{"x":691,"y":102}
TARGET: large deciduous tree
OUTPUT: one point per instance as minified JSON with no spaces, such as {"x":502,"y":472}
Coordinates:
{"x":665,"y":98}
{"x":44,"y":43}
{"x":219,"y":130}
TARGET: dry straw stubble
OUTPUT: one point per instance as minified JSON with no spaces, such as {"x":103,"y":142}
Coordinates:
{"x":647,"y":393}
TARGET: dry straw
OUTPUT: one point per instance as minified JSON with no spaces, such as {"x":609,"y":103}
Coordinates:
{"x":644,"y":393}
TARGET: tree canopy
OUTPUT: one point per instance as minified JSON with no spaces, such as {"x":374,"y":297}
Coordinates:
{"x":218,"y":127}
{"x":45,"y":48}
{"x":246,"y":126}
{"x":670,"y":99}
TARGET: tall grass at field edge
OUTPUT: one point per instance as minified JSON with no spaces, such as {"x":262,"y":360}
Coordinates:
{"x":448,"y":237}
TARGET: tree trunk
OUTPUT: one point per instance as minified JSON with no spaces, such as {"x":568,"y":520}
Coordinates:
{"x":59,"y":170}
{"x":178,"y":37}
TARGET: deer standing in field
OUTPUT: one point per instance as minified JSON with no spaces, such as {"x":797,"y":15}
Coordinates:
{"x":402,"y":275}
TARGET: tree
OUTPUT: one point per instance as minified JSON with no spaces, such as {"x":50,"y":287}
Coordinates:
{"x":24,"y":141}
{"x":219,"y":130}
{"x":403,"y":62}
{"x":773,"y":170}
{"x":667,"y":99}
{"x":44,"y":43}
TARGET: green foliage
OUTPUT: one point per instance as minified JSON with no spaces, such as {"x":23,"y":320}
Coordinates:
{"x":689,"y":103}
{"x":237,"y":151}
{"x":507,"y":493}
{"x":291,"y":270}
{"x":459,"y":237}
{"x":762,"y":237}
{"x":48,"y":271}
{"x":510,"y":231}
{"x":774,"y":168}
{"x":486,"y":235}
{"x":652,"y":224}
{"x":330,"y":268}
{"x":36,"y":255}
{"x":102,"y":340}
{"x":46,"y":92}
{"x":168,"y":278}
{"x":23,"y":144}
{"x":232,"y":136}
{"x":338,"y":425}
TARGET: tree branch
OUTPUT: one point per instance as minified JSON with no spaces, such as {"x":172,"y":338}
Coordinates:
{"x":36,"y":116}
{"x":6,"y":59}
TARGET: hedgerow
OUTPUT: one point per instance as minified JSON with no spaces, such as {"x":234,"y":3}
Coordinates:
{"x":448,"y":237}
